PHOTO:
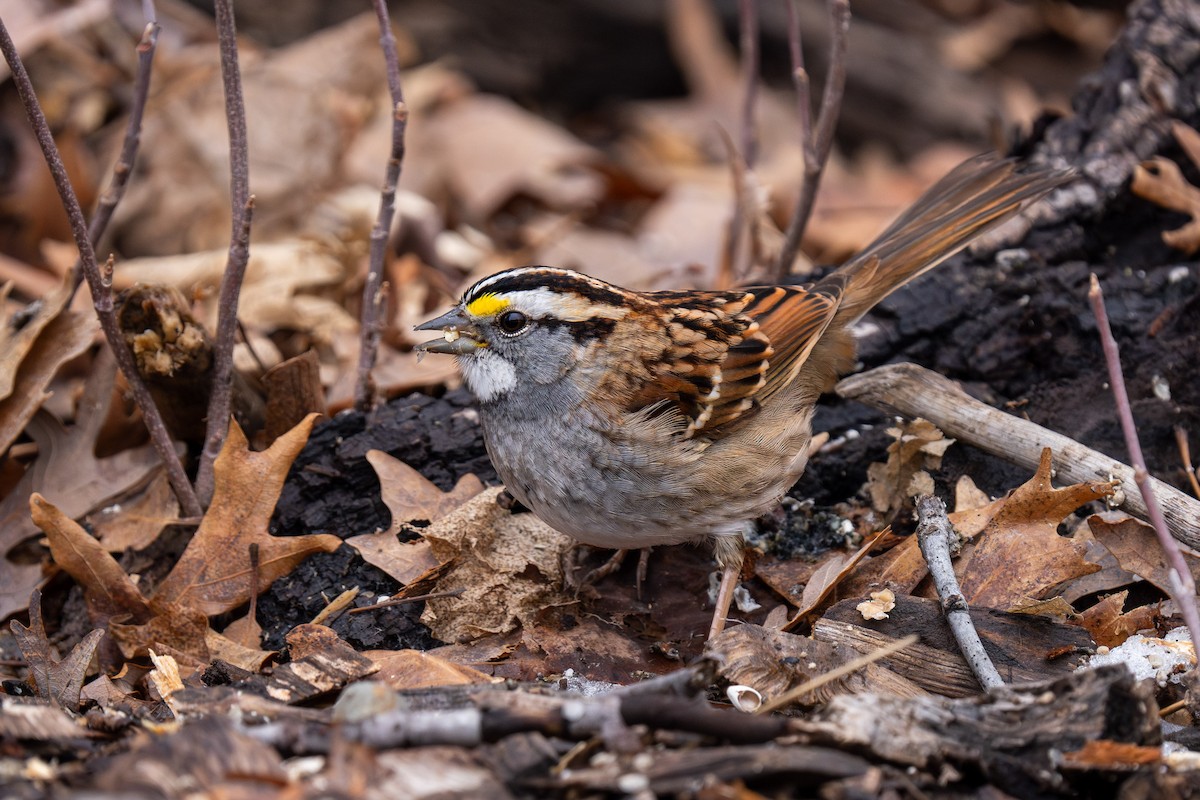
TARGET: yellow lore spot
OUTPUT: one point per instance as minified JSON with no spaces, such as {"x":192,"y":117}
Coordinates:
{"x":486,"y":305}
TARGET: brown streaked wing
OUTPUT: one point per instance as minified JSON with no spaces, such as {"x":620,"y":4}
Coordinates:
{"x":793,"y":318}
{"x":712,"y":361}
{"x":729,"y":351}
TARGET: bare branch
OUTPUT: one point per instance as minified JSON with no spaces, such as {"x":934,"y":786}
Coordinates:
{"x":817,"y":142}
{"x":371,"y":326}
{"x":748,"y":25}
{"x":1185,"y":455}
{"x":912,"y":391}
{"x":133,"y":135}
{"x":936,"y":538}
{"x":1183,"y":587}
{"x":221,"y":396}
{"x":239,"y":249}
{"x":740,"y":245}
{"x":101,"y":289}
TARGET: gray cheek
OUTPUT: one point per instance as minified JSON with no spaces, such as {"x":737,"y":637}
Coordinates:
{"x":544,"y":356}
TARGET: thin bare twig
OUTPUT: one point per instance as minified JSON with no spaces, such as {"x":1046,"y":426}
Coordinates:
{"x":101,"y":289}
{"x":372,"y":302}
{"x":816,"y":142}
{"x":242,"y":206}
{"x":1183,"y":587}
{"x":740,"y":245}
{"x":808,"y":687}
{"x":133,"y":136}
{"x":748,"y":25}
{"x":255,"y":581}
{"x":935,"y":538}
{"x":1185,"y":455}
{"x":911,"y":391}
{"x":403,"y":601}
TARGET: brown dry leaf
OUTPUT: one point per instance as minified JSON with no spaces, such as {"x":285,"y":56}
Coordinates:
{"x":509,"y":566}
{"x":413,"y":669}
{"x":968,"y":496}
{"x":919,"y":446}
{"x":310,"y":100}
{"x":284,"y":287}
{"x":108,"y":590}
{"x":404,"y":561}
{"x":832,"y":572}
{"x":19,"y":331}
{"x":1160,"y":181}
{"x":1020,"y":556}
{"x":1135,"y":546}
{"x":1056,"y":608}
{"x":489,"y":149}
{"x":1110,"y":625}
{"x":181,"y":631}
{"x":69,"y":474}
{"x":32,"y":348}
{"x":136,"y":520}
{"x":248,"y":657}
{"x":903,"y":567}
{"x":213,"y":575}
{"x":59,"y":681}
{"x":410,"y":496}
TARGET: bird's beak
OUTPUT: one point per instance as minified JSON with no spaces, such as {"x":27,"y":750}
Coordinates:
{"x":460,"y":336}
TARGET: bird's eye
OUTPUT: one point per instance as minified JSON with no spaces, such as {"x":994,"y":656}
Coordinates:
{"x":512,"y":322}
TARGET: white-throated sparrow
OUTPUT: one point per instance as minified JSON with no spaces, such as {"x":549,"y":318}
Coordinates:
{"x":632,"y":419}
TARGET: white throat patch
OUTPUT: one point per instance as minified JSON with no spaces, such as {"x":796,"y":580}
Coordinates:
{"x":487,"y":375}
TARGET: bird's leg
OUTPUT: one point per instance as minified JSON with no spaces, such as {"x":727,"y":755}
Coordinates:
{"x":730,"y":554}
{"x":643,"y":566}
{"x":573,"y":562}
{"x":604,"y":570}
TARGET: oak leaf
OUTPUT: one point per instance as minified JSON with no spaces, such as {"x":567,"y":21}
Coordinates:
{"x":68,"y":472}
{"x":1020,"y":555}
{"x":214,"y":574}
{"x":1135,"y":546}
{"x":410,"y":496}
{"x":58,"y":680}
{"x":1160,"y":181}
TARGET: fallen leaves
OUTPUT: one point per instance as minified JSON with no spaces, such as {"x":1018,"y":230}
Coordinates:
{"x":32,"y":349}
{"x":213,"y":575}
{"x":216,"y":573}
{"x":1160,"y":181}
{"x":57,"y":680}
{"x":410,"y":497}
{"x":509,"y":567}
{"x":918,"y":447}
{"x":1020,"y":554}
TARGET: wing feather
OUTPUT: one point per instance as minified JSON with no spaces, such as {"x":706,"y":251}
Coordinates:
{"x":729,"y":351}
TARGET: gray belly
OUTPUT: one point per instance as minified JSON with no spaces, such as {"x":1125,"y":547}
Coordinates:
{"x":603,"y":487}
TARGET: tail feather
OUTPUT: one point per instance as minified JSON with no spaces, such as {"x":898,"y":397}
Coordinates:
{"x":977,"y":196}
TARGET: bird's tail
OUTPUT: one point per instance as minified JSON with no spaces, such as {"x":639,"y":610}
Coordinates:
{"x":976,"y":196}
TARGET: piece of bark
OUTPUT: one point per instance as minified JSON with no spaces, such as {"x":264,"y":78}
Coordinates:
{"x":773,"y":662}
{"x":1123,"y":114}
{"x":675,"y":773}
{"x":325,"y":664}
{"x":912,"y":391}
{"x":1021,"y":645}
{"x":293,"y":392}
{"x":1014,"y":734}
